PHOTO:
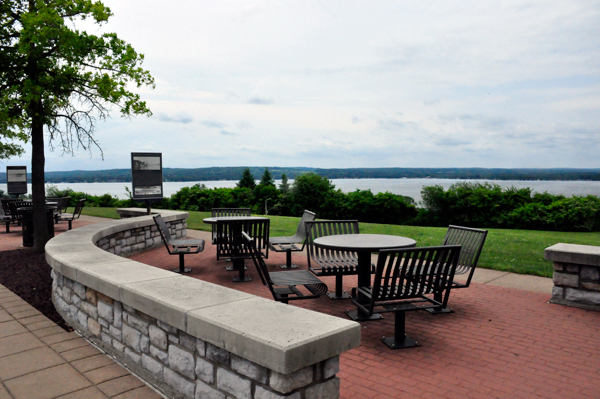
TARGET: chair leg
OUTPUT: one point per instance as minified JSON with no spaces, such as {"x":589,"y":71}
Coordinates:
{"x":238,"y":264}
{"x":288,"y":261}
{"x":339,"y":289}
{"x":439,"y":297}
{"x":400,"y":340}
{"x":8,"y":227}
{"x":70,"y":225}
{"x":181,"y":269}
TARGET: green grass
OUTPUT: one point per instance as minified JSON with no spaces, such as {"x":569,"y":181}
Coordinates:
{"x":516,"y":251}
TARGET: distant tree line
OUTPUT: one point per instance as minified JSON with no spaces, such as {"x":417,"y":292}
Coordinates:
{"x":233,"y":173}
{"x":484,"y":205}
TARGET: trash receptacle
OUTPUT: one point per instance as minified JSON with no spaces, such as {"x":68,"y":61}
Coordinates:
{"x":27,"y":222}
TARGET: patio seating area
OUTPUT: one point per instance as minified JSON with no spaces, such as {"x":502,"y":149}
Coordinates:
{"x":501,"y":342}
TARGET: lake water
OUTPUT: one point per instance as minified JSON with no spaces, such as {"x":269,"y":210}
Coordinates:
{"x":409,"y":187}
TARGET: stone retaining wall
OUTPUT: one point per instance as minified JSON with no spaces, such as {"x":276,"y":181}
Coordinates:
{"x":576,"y":275}
{"x":186,"y":337}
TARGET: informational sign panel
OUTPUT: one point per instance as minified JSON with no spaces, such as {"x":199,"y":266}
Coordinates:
{"x":146,"y":176}
{"x":16,"y":180}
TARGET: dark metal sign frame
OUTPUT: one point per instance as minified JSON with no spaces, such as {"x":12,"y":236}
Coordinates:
{"x":16,"y":180}
{"x":146,"y":176}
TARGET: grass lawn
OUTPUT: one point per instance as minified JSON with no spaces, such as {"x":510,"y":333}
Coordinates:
{"x":517,"y":251}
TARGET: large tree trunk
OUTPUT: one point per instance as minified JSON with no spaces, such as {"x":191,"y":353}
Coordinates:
{"x":38,"y":189}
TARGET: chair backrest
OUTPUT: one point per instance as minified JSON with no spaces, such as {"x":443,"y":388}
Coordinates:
{"x":471,"y":241}
{"x":322,"y":228}
{"x":259,"y":262}
{"x":6,"y":207}
{"x":78,"y":208}
{"x":164,"y":231}
{"x":63,"y":204}
{"x":14,"y":205}
{"x":300,"y":235}
{"x":414,"y":272}
{"x":216,"y":212}
{"x":231,"y":244}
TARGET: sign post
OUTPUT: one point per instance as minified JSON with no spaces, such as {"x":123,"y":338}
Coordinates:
{"x":16,"y":180}
{"x":146,"y":177}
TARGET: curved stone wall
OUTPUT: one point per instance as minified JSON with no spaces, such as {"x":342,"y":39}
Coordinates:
{"x":187,"y":337}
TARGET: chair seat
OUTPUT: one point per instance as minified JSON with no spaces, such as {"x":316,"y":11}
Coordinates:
{"x":187,"y":243}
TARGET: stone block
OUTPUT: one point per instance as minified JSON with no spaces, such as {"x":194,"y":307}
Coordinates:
{"x":558,"y":267}
{"x":67,"y":282}
{"x":567,"y":280}
{"x":200,"y":347}
{"x":115,"y":332}
{"x":249,"y":369}
{"x":590,"y":297}
{"x":205,"y":370}
{"x":131,"y":337}
{"x":232,"y":383}
{"x":327,"y":390}
{"x":118,"y":314}
{"x":160,"y":355}
{"x":262,"y":393}
{"x":134,"y":356}
{"x":173,"y":339}
{"x":90,"y":296}
{"x":82,"y":318}
{"x":118,"y":346}
{"x":66,"y":294}
{"x":590,"y":273}
{"x":105,"y":310}
{"x":179,"y":383}
{"x":140,"y":239}
{"x":138,"y":324}
{"x":204,"y":391}
{"x":106,"y":338}
{"x":145,"y":344}
{"x":103,"y":323}
{"x":153,"y":366}
{"x":105,"y":298}
{"x":158,"y":337}
{"x":217,"y":354}
{"x":331,"y":367}
{"x":285,"y":383}
{"x":181,"y":361}
{"x":90,"y":309}
{"x":558,"y":292}
{"x":79,"y":290}
{"x":187,"y":341}
{"x":94,"y":327}
{"x":167,"y":327}
{"x":591,"y":286}
{"x":76,"y":301}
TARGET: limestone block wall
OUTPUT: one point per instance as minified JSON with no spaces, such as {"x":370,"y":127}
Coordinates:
{"x":187,"y":337}
{"x":576,"y":275}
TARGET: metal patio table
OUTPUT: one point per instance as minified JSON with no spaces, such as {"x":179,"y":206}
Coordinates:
{"x":363,"y":245}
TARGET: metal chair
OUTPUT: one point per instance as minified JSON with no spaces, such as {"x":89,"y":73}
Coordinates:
{"x":178,"y":247}
{"x":231,"y":242}
{"x":283,"y":285}
{"x":69,"y":217}
{"x":405,"y":280}
{"x":227,"y":212}
{"x":8,"y":217}
{"x":290,"y":244}
{"x":327,"y":262}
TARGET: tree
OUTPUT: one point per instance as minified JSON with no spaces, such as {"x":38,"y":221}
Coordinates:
{"x":247,"y":180}
{"x":284,"y":187}
{"x":58,"y":78}
{"x":267,"y":179}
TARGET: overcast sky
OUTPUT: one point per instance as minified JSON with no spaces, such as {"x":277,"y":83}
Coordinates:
{"x":347,"y":83}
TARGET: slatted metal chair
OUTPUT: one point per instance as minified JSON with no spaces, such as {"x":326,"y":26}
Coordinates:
{"x":327,"y":262}
{"x":8,"y":216}
{"x":294,"y":243}
{"x":62,"y":203}
{"x":69,"y":217}
{"x":405,"y":281}
{"x":227,"y":212}
{"x":471,"y":240}
{"x":284,"y":285}
{"x":231,"y":242}
{"x":179,"y":247}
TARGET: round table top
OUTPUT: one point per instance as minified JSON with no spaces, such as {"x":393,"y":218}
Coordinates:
{"x":213,"y":220}
{"x":364,"y":242}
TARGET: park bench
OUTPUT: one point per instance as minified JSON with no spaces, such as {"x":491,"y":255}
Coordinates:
{"x":284,"y":285}
{"x":69,"y":217}
{"x":406,"y":280}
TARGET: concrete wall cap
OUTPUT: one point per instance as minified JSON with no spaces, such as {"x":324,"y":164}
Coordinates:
{"x":573,"y":253}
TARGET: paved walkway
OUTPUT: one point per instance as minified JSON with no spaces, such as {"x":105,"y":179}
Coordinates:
{"x":504,"y":341}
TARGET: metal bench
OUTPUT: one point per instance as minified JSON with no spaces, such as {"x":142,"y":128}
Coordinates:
{"x":471,"y":241}
{"x":404,"y":281}
{"x":283,"y":285}
{"x":327,"y":262}
{"x":231,"y":242}
{"x":291,"y":244}
{"x":178,"y":247}
{"x":69,"y":217}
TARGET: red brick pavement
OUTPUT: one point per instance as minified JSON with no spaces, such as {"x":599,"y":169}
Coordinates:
{"x":14,"y":239}
{"x":500,"y":343}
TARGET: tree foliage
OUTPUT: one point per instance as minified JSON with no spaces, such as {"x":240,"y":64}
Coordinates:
{"x":61,"y":79}
{"x":247,"y":180}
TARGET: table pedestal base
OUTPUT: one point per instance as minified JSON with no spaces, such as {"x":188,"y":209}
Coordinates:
{"x":356,"y":316}
{"x":333,"y":295}
{"x":393,"y":343}
{"x":185,"y":270}
{"x":439,"y":310}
